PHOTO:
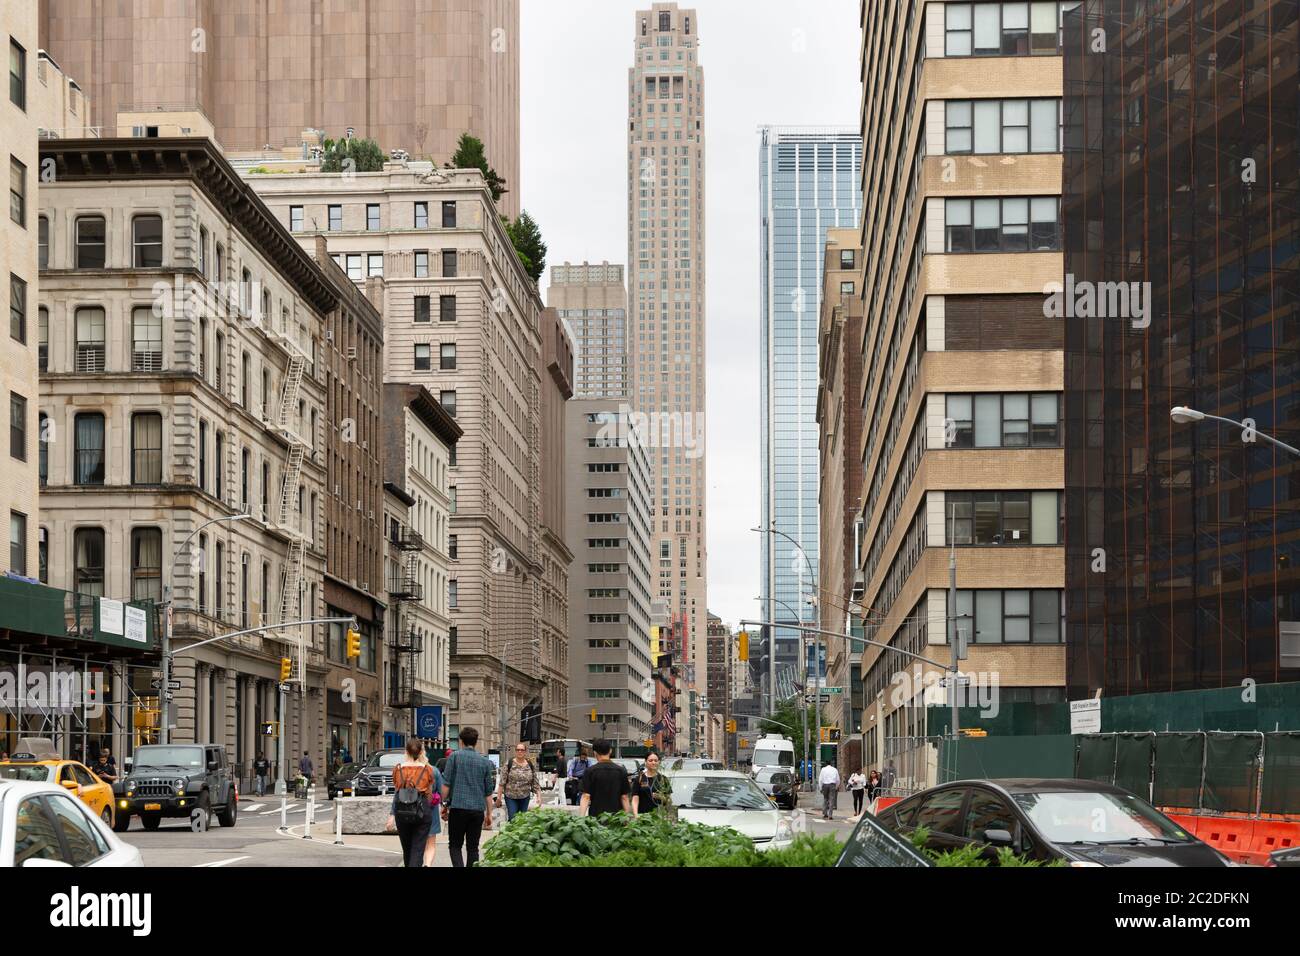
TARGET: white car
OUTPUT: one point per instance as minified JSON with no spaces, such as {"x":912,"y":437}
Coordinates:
{"x":725,"y":798}
{"x":43,"y":825}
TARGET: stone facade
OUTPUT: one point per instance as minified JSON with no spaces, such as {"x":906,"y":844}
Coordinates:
{"x":462,"y":318}
{"x":184,"y":387}
{"x":411,"y":74}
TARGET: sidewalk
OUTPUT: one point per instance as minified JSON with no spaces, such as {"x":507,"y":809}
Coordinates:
{"x":323,"y":832}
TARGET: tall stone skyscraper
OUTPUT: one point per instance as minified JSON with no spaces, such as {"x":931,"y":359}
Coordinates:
{"x":411,"y":74}
{"x":666,"y":304}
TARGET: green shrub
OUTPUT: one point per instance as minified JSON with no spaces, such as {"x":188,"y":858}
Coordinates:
{"x":972,"y":854}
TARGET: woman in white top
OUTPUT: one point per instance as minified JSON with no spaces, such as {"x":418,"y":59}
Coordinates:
{"x":858,"y":787}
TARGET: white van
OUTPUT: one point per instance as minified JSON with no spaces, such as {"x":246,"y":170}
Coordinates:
{"x":773,"y":750}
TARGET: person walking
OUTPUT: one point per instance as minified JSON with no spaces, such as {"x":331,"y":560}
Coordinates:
{"x":413,"y":781}
{"x":467,"y":798}
{"x":605,"y":787}
{"x":873,"y":786}
{"x":261,"y":770}
{"x":830,"y":784}
{"x":305,"y":767}
{"x":858,"y":787}
{"x":573,"y":782}
{"x":651,"y":790}
{"x":435,"y":805}
{"x":518,"y":782}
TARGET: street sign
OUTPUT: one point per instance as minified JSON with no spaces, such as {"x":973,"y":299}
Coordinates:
{"x":1085,"y":716}
{"x":170,"y":697}
{"x":809,"y":699}
{"x":832,"y":690}
{"x":284,"y":688}
{"x":156,"y":684}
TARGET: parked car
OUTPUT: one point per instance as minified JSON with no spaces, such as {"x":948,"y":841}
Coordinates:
{"x":870,"y":844}
{"x":37,"y":762}
{"x":376,"y":776}
{"x":779,"y":784}
{"x":1289,"y":856}
{"x":42,"y":824}
{"x":342,"y":782}
{"x":174,"y":780}
{"x":631,"y":765}
{"x":1082,"y":822}
{"x":725,"y":798}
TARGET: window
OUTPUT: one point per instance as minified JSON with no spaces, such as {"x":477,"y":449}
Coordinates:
{"x":218,"y":363}
{"x":422,"y":265}
{"x":295,"y":218}
{"x":17,"y":426}
{"x":219,"y":483}
{"x":245,"y":373}
{"x":18,"y":191}
{"x":1003,"y":517}
{"x":146,"y":448}
{"x":422,"y":309}
{"x":1003,"y":421}
{"x":88,"y":573}
{"x":421,"y":215}
{"x":846,"y":258}
{"x":446,"y":308}
{"x":244,"y":459}
{"x":449,"y":214}
{"x":452,"y":546}
{"x":89,"y":451}
{"x":447,"y":356}
{"x":846,"y":288}
{"x":219,"y":568}
{"x":146,"y":334}
{"x":220,"y":263}
{"x":372,"y":217}
{"x":43,"y":242}
{"x":17,"y":308}
{"x":423,"y":358}
{"x":1002,"y":126}
{"x":453,"y":597}
{"x":449,"y":263}
{"x":957,"y":29}
{"x":203,"y":455}
{"x":17,"y":74}
{"x":146,"y":564}
{"x":203,"y":251}
{"x":354,"y":267}
{"x":447,"y":399}
{"x":665,"y":21}
{"x":147,"y":242}
{"x":90,"y":242}
{"x":43,"y":339}
{"x":18,"y":543}
{"x":43,"y":448}
{"x":90,"y":340}
{"x":336,"y":218}
{"x":1018,"y":616}
{"x":42,"y":556}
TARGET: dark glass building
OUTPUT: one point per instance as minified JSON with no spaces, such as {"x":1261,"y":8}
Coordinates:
{"x":1182,"y":288}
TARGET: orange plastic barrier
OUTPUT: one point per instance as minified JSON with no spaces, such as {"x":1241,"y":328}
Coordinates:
{"x":1242,"y":839}
{"x":1273,"y":835}
{"x":1230,"y":836}
{"x":883,"y":802}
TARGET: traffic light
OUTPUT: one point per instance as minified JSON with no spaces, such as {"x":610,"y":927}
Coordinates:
{"x":744,"y":646}
{"x":593,"y":715}
{"x":286,"y":668}
{"x":354,"y":643}
{"x":268,"y":728}
{"x":731,"y":726}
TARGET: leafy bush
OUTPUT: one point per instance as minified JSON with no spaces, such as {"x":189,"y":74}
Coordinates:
{"x":364,"y":154}
{"x":806,"y":851}
{"x":972,"y":854}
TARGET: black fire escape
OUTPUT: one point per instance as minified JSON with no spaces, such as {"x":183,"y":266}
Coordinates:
{"x":404,"y":643}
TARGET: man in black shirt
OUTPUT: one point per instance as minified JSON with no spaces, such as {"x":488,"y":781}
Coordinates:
{"x":605,"y":787}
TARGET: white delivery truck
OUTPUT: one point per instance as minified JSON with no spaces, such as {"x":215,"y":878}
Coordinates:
{"x":773,"y":750}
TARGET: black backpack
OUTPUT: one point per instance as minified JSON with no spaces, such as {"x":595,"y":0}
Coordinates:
{"x":411,"y":805}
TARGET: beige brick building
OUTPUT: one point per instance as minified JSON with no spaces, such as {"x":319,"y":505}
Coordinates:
{"x":462,"y":318}
{"x":411,"y":74}
{"x":962,"y":373}
{"x":666,"y":296}
{"x":592,"y":299}
{"x":607,"y":487}
{"x":182,"y":385}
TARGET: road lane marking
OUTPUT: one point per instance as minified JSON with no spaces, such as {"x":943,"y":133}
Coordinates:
{"x":287,"y":809}
{"x":233,"y":859}
{"x":254,"y":807}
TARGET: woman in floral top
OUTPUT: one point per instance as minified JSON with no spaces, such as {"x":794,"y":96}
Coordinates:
{"x":518,"y":782}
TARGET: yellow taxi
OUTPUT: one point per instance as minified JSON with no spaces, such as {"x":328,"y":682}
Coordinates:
{"x":37,"y":761}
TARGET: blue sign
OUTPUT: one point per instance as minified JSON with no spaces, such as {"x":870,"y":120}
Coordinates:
{"x":428,"y":722}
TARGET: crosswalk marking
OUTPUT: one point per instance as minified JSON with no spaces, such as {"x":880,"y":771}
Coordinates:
{"x":253,"y":808}
{"x":233,"y":859}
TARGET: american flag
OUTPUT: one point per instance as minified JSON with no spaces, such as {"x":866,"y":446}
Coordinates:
{"x":667,"y":721}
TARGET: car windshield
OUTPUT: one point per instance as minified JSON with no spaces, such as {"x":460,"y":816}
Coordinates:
{"x":764,"y":756}
{"x":1082,"y":817}
{"x":718,"y":793}
{"x":388,"y":761}
{"x":347,"y":769}
{"x":166,"y":758}
{"x":32,"y":773}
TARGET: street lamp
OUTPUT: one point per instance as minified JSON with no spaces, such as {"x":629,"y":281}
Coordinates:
{"x":164,"y":712}
{"x":1182,"y":415}
{"x":803,"y":665}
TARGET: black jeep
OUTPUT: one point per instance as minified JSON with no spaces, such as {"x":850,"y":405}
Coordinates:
{"x":178,"y":780}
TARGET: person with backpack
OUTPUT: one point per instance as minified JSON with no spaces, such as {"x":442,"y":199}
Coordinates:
{"x":517,"y":782}
{"x":413,"y":782}
{"x":573,"y":779}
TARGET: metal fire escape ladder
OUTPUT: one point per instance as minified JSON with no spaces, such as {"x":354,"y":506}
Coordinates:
{"x":284,"y":521}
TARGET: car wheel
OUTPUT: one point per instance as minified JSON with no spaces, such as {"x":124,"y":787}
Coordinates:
{"x":107,"y":816}
{"x":121,"y":822}
{"x":151,"y":821}
{"x":229,"y":812}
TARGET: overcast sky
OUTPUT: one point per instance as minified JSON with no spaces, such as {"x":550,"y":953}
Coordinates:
{"x":766,"y":62}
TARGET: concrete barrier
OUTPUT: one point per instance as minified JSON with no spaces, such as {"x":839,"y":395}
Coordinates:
{"x":366,"y":815}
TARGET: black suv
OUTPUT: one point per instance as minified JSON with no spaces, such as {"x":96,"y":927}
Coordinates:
{"x":175,"y":780}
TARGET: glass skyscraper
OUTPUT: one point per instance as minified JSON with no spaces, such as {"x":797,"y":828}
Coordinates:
{"x":808,"y":183}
